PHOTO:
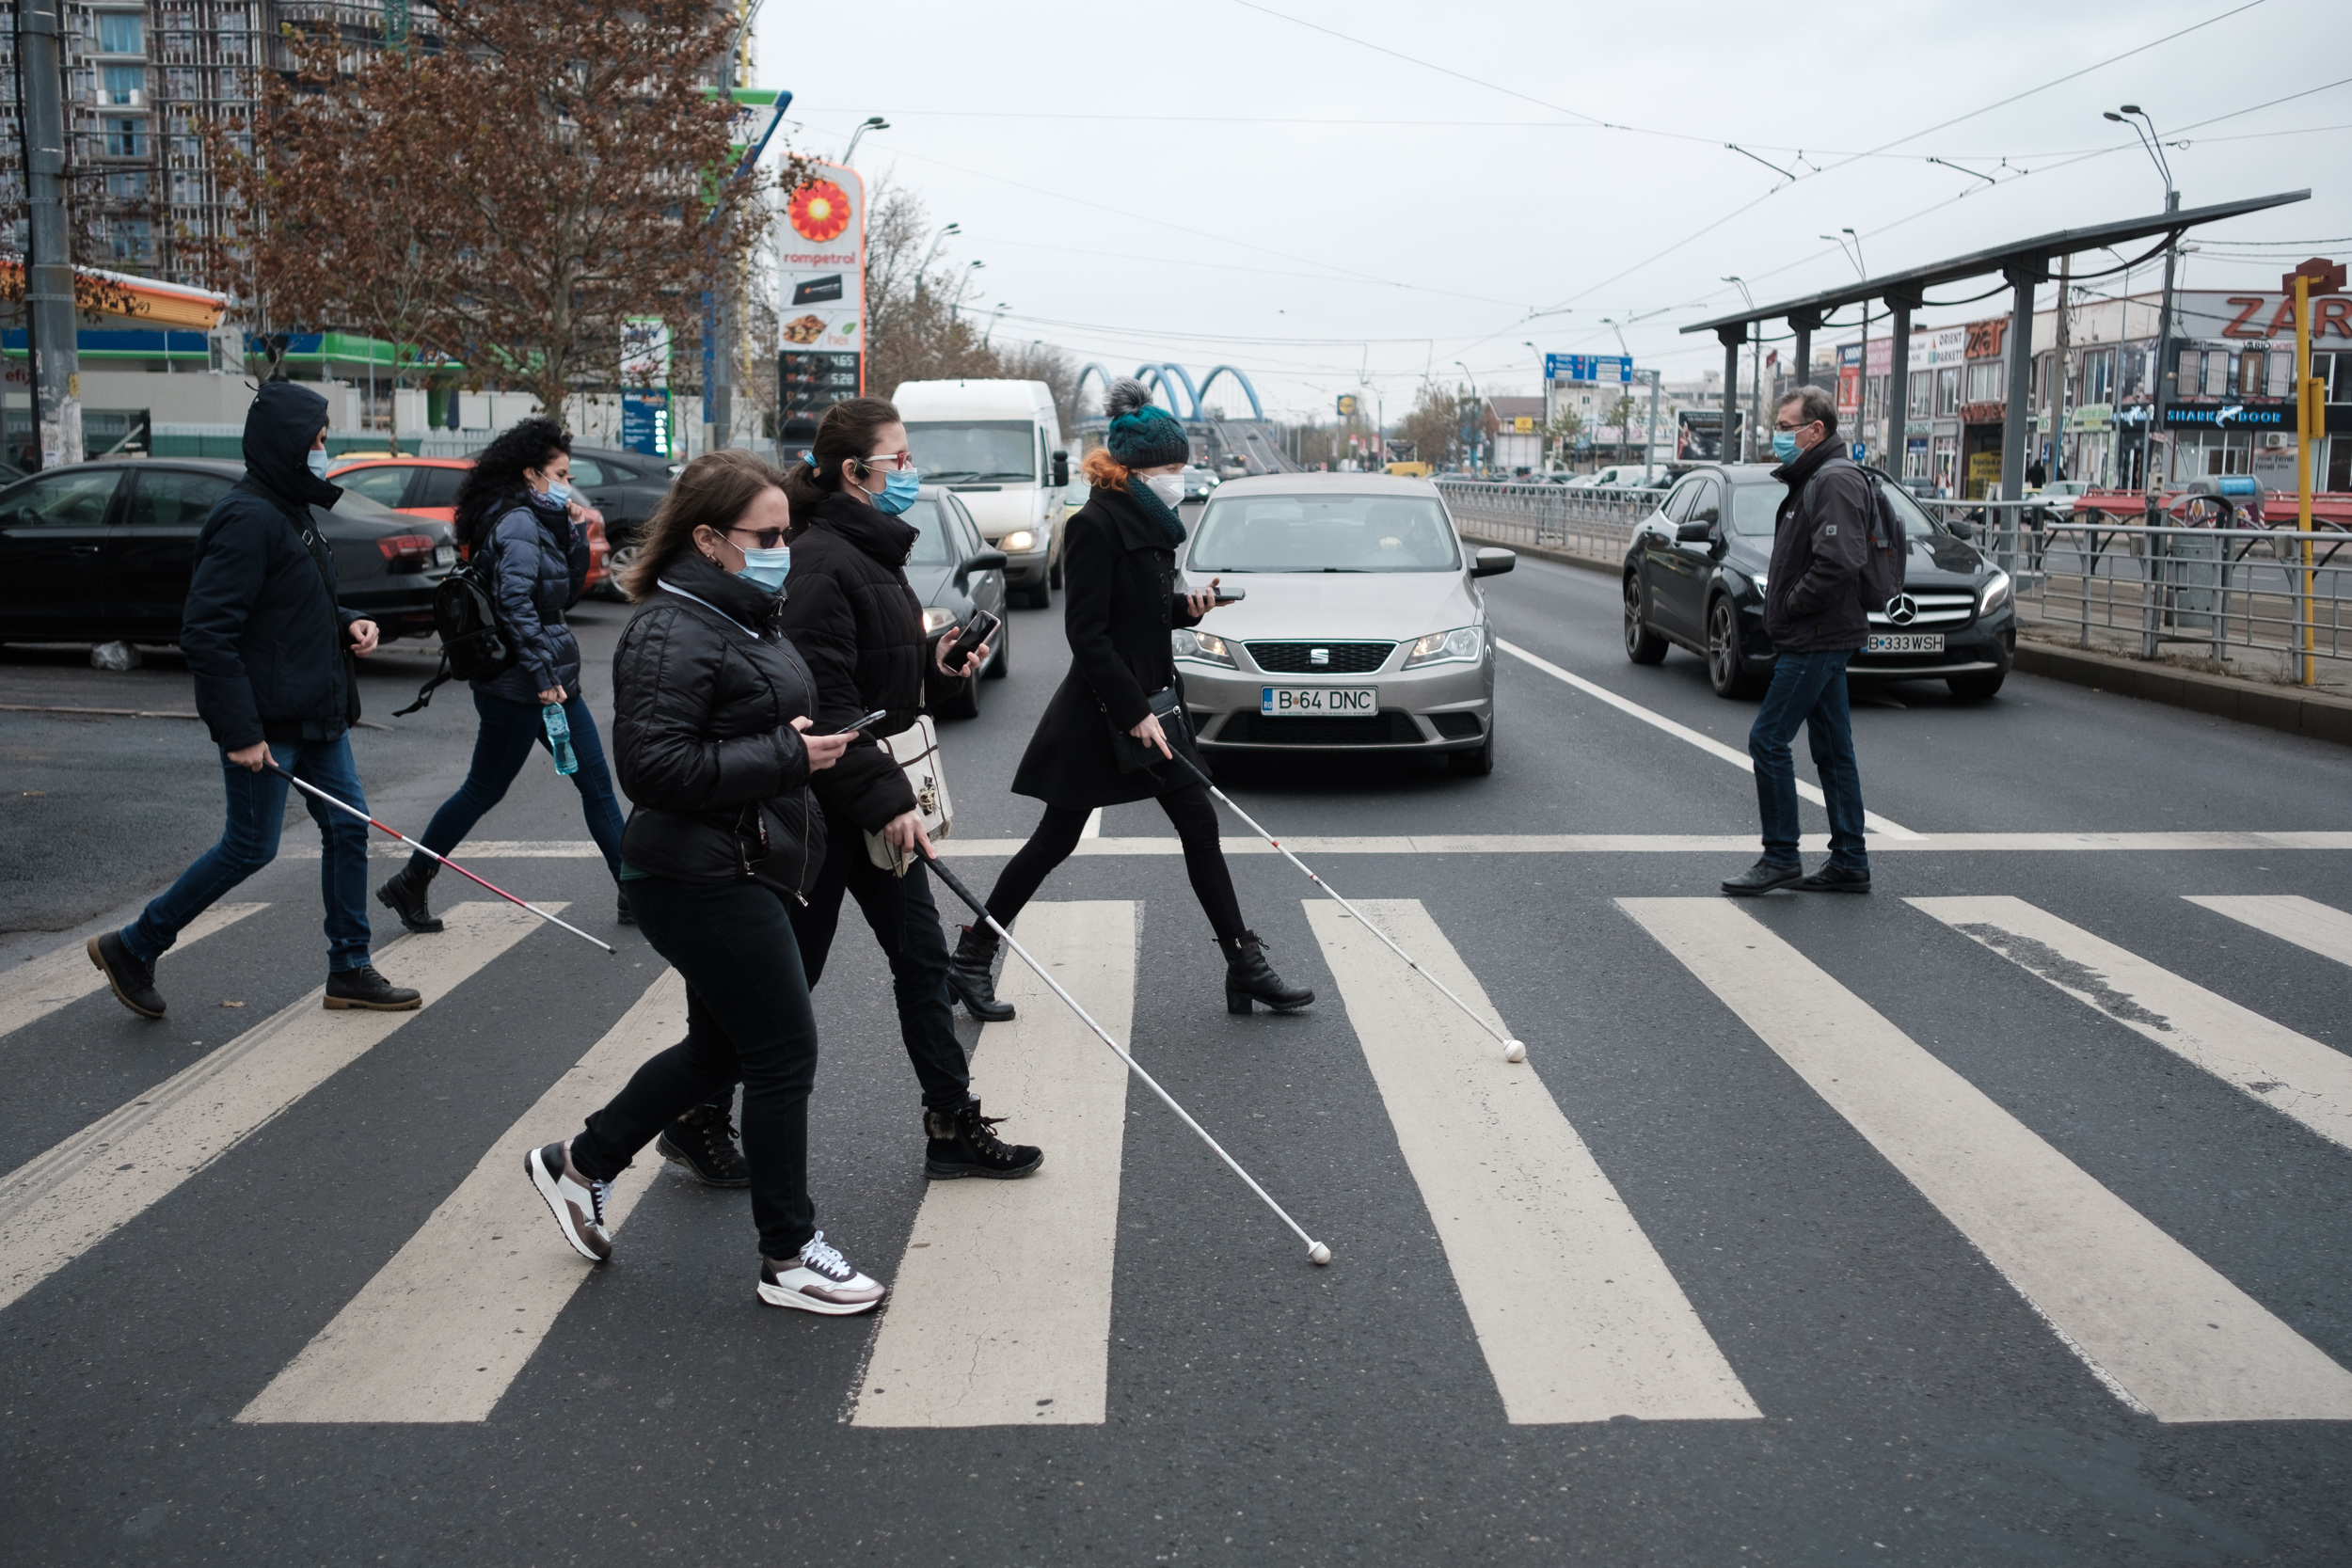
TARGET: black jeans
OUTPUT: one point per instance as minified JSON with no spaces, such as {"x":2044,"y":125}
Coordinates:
{"x":906,"y":922}
{"x":1193,"y":816}
{"x":748,"y":1018}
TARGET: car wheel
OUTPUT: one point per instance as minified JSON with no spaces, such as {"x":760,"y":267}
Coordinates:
{"x":1976,"y":688}
{"x":1053,"y":574}
{"x":1642,"y":645}
{"x":1040,"y":597}
{"x":617,"y":567}
{"x":1726,"y":671}
{"x":1474,"y":765}
{"x":1001,"y":665}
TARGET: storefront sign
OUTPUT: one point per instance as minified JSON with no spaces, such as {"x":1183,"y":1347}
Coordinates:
{"x":821,"y":291}
{"x":1983,"y":413}
{"x":2092,"y":419}
{"x":2242,"y":315}
{"x":2232,"y":416}
{"x":1986,"y":337}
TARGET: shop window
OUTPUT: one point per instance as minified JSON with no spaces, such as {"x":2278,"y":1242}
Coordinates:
{"x":2218,"y":374}
{"x":1922,"y":401}
{"x":2098,"y":383}
{"x":1947,"y":392}
{"x":121,"y":33}
{"x":1984,"y":381}
{"x":2187,"y":370}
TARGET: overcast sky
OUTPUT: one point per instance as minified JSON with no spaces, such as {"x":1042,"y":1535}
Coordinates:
{"x":1313,"y":192}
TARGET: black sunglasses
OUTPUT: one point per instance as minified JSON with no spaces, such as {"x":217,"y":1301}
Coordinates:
{"x":767,"y":538}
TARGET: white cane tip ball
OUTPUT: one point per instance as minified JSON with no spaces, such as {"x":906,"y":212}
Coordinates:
{"x":1514,"y":1051}
{"x":1319,"y":1255}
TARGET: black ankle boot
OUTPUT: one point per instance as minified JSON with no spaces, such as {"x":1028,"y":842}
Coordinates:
{"x":703,"y":1140}
{"x":964,"y":1143}
{"x":405,"y":896}
{"x":968,"y":975}
{"x":1249,"y":978}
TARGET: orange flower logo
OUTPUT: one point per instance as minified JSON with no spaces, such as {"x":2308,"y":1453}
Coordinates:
{"x":819,"y":211}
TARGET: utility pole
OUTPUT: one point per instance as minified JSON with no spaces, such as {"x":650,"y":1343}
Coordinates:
{"x":56,"y":385}
{"x":2057,"y":370}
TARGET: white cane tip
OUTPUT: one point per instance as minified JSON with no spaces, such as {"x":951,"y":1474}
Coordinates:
{"x":1319,"y":1255}
{"x":1514,"y":1051}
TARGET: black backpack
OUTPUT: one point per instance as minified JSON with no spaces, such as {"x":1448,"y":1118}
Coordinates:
{"x":475,"y":644}
{"x":1882,"y":568}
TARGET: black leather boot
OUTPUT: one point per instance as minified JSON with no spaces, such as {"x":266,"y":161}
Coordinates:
{"x":405,"y":896}
{"x":964,"y":1143}
{"x":969,"y":976}
{"x":1249,"y":978}
{"x":703,"y":1140}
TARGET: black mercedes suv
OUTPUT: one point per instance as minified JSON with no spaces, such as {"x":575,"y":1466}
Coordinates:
{"x":1694,"y":576}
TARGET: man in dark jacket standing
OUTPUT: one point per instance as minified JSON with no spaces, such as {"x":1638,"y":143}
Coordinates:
{"x":265,"y":642}
{"x":1813,"y":613}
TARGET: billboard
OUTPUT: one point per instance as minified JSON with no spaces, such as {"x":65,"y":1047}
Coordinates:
{"x":821,"y":292}
{"x":1699,"y":435}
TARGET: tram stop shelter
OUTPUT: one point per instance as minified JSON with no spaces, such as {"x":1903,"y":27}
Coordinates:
{"x":2024,"y":263}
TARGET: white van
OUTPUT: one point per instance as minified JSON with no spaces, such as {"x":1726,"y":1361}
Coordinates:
{"x":997,"y":445}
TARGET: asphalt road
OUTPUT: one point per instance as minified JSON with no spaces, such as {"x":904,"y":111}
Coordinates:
{"x":1847,"y":1231}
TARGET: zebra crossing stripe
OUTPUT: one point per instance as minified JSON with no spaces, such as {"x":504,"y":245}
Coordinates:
{"x":33,"y":990}
{"x":2157,"y":1324}
{"x":948,"y":1354}
{"x":2292,"y":1074}
{"x":2321,"y":928}
{"x":443,"y":1329}
{"x":58,"y":1205}
{"x":1578,"y":1317}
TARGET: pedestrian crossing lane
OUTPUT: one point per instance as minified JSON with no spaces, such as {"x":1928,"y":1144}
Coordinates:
{"x":443,"y":1329}
{"x":57,"y":1206}
{"x":2305,"y":922}
{"x":33,"y":990}
{"x":2297,"y":1076}
{"x":1577,"y":1315}
{"x":2160,"y":1327}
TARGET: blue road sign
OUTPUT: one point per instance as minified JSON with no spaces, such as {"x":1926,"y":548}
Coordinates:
{"x":1588,"y":366}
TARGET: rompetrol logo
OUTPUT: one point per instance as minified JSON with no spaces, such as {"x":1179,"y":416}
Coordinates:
{"x":819,"y":211}
{"x":1902,"y":611}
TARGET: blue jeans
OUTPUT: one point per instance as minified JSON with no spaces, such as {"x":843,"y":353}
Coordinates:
{"x":1808,"y":690}
{"x":500,"y":746}
{"x":256,"y":810}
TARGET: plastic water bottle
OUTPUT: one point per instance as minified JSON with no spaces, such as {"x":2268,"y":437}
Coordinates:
{"x":559,"y":737}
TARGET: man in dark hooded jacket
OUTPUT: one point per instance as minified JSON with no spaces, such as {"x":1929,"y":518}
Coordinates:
{"x":265,"y":641}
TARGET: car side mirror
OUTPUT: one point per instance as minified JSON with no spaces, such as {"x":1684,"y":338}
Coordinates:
{"x":980,"y":560}
{"x":1961,"y":527}
{"x":1061,"y":470}
{"x":1696,"y":531}
{"x":1492,"y":562}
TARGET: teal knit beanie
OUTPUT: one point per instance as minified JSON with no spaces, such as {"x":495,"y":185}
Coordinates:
{"x":1142,"y":435}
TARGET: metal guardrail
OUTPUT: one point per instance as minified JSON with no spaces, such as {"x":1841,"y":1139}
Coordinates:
{"x":2230,"y":590}
{"x":1584,"y":520}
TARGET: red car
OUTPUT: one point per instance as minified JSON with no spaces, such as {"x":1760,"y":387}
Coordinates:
{"x":427,"y":487}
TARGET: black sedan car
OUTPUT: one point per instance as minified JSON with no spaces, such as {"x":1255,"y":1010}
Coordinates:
{"x":1696,"y":571}
{"x":100,"y":551}
{"x":956,"y":574}
{"x":626,"y":486}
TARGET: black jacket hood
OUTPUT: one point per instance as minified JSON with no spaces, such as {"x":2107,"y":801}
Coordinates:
{"x":285,"y":419}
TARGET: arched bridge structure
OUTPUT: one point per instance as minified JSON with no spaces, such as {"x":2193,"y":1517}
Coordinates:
{"x":1251,"y":442}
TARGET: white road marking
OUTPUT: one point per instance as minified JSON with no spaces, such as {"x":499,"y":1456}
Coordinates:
{"x":1713,"y":748}
{"x":61,"y":1204}
{"x":2153,"y":1320}
{"x":1568,"y":844}
{"x":1577,"y":1315}
{"x":1000,"y":1312}
{"x":39,"y":987}
{"x":1094,"y":824}
{"x":2321,"y":928}
{"x":443,"y":1329}
{"x":2292,"y":1073}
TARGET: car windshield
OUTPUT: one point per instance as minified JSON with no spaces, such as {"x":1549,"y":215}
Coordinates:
{"x":965,"y":451}
{"x":930,"y":534}
{"x":1753,"y":506}
{"x":2067,"y":487}
{"x":1324,"y":533}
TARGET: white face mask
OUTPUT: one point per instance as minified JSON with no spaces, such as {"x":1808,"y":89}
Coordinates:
{"x":1168,"y":487}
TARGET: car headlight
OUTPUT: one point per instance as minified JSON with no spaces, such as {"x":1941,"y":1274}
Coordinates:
{"x":1461,"y":645}
{"x":1994,"y":594}
{"x":1021,"y":541}
{"x":1204,"y":648}
{"x":937,"y":619}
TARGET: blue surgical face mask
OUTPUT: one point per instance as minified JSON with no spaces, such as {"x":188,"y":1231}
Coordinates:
{"x":559,"y":493}
{"x":767,"y":567}
{"x":1785,"y":445}
{"x":899,"y":491}
{"x":318,"y":461}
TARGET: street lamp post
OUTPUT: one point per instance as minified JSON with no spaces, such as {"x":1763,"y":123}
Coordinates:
{"x":2156,"y":438}
{"x":872,"y":122}
{"x":1755,"y":375}
{"x":1478,"y":412}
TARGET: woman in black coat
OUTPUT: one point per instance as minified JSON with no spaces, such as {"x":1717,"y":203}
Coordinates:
{"x":709,"y":702}
{"x":1120,"y":602}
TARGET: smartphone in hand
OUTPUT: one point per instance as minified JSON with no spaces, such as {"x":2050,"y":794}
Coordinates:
{"x":874,"y":717}
{"x":967,"y":643}
{"x":1230,"y":596}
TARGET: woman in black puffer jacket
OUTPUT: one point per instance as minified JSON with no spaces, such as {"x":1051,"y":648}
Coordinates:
{"x":516,"y":505}
{"x":709,"y":707}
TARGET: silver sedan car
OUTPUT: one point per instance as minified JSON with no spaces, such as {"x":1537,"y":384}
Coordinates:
{"x":1363,"y":628}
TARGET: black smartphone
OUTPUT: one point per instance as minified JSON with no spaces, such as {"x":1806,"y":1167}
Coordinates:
{"x":967,"y":643}
{"x":1230,"y":596}
{"x":874,"y":717}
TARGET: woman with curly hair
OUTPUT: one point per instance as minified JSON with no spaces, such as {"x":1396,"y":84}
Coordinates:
{"x":516,"y":505}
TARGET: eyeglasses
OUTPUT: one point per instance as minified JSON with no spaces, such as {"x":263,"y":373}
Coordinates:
{"x":899,"y":460}
{"x":763,"y":538}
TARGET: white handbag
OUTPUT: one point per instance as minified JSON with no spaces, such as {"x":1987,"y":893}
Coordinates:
{"x":915,"y":750}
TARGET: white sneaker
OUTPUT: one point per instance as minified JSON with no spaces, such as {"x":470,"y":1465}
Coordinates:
{"x":577,"y":1202}
{"x":822,"y":1281}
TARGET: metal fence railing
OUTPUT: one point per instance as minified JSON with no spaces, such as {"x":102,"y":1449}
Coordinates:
{"x":1586,"y":521}
{"x":2230,"y":590}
